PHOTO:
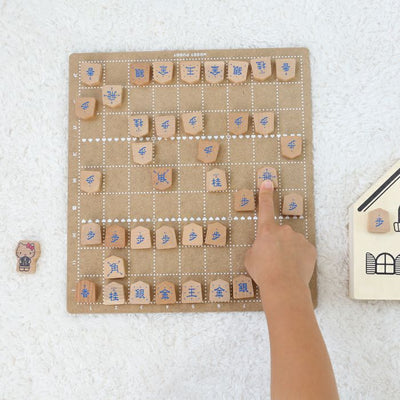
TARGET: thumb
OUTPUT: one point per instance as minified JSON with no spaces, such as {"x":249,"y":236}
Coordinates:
{"x":266,"y":205}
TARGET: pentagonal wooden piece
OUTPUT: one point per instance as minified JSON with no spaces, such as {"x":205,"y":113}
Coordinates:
{"x":192,"y":123}
{"x":242,"y":287}
{"x":114,"y":267}
{"x":264,"y":122}
{"x":140,"y":73}
{"x":90,"y":181}
{"x":85,"y":107}
{"x":91,"y":74}
{"x":90,"y":234}
{"x":265,"y":173}
{"x":27,"y":252}
{"x":112,"y":95}
{"x":163,"y":71}
{"x":191,"y":292}
{"x":207,"y":151}
{"x":165,"y":125}
{"x":291,"y":146}
{"x":216,"y":180}
{"x":114,"y":294}
{"x":219,"y":291}
{"x":261,"y":68}
{"x":85,"y":291}
{"x":165,"y":238}
{"x":238,"y":123}
{"x":190,"y":71}
{"x":142,"y":152}
{"x":378,"y":221}
{"x":192,"y":235}
{"x":214,"y":71}
{"x":115,"y":236}
{"x":292,"y":204}
{"x":140,"y":238}
{"x":216,"y":234}
{"x":244,"y":200}
{"x":140,"y":293}
{"x":138,"y":125}
{"x":162,"y":178}
{"x":285,"y":68}
{"x":237,"y":71}
{"x":165,"y":293}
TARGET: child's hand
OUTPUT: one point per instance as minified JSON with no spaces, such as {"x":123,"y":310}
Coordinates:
{"x":280,"y":258}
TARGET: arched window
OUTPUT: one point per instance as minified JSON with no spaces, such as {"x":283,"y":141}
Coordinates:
{"x":385,"y":264}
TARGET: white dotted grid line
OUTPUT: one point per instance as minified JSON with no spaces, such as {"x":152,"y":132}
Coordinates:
{"x":78,"y":229}
{"x":279,"y":151}
{"x":129,"y":187}
{"x":178,"y":148}
{"x":153,"y":107}
{"x":104,"y":180}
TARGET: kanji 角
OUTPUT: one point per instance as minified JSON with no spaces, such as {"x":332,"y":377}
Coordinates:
{"x":113,"y":268}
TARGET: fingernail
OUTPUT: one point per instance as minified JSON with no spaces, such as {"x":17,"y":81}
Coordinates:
{"x":267,"y":185}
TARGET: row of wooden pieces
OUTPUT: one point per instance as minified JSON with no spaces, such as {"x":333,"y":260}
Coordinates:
{"x":190,"y":71}
{"x":165,"y":292}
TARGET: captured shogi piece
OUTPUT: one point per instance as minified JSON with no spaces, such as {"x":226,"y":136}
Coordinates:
{"x":291,"y":146}
{"x":264,"y":122}
{"x":285,"y":69}
{"x":162,"y":178}
{"x":112,"y":95}
{"x":142,"y":152}
{"x":216,"y":180}
{"x":192,"y":235}
{"x":267,"y":173}
{"x":216,"y":234}
{"x":244,"y":200}
{"x":191,"y":292}
{"x":192,"y":123}
{"x":139,"y":125}
{"x":220,"y":291}
{"x":207,"y":151}
{"x":190,"y":71}
{"x":115,"y":236}
{"x":114,"y":267}
{"x":114,"y":294}
{"x":91,"y":74}
{"x":214,"y":71}
{"x":140,"y":73}
{"x":139,"y":293}
{"x":165,"y":125}
{"x":261,"y":68}
{"x":165,"y":293}
{"x":90,"y":181}
{"x":165,"y":238}
{"x":378,"y":221}
{"x":90,"y":234}
{"x":238,"y":123}
{"x":242,"y":287}
{"x":140,"y":238}
{"x":292,"y":204}
{"x":237,"y":71}
{"x":85,"y":107}
{"x":27,"y":252}
{"x":85,"y":291}
{"x":163,"y":71}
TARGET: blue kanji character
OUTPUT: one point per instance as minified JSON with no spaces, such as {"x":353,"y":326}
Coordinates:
{"x":264,"y":121}
{"x":164,"y":294}
{"x":244,"y":201}
{"x":292,"y":206}
{"x":90,"y":179}
{"x":243,"y":287}
{"x":114,"y":238}
{"x":139,"y":239}
{"x":90,"y":72}
{"x":190,"y":70}
{"x":192,"y":236}
{"x":161,"y":178}
{"x":215,"y":70}
{"x":113,"y":268}
{"x":165,"y":239}
{"x":192,"y":292}
{"x":142,"y":150}
{"x":113,"y":295}
{"x":267,"y":176}
{"x":90,"y":235}
{"x":208,"y":149}
{"x":237,"y":70}
{"x":216,"y":235}
{"x":165,"y":124}
{"x":292,"y":144}
{"x":260,"y":65}
{"x":138,"y":122}
{"x":378,"y":222}
{"x":163,"y":70}
{"x":193,"y":121}
{"x":85,"y":292}
{"x":219,"y":292}
{"x":112,"y":95}
{"x":139,"y":72}
{"x":85,"y":105}
{"x":216,"y":182}
{"x":286,"y":67}
{"x":238,"y":121}
{"x":139,"y":293}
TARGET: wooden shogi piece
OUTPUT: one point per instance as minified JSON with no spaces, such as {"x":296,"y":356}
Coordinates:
{"x":91,"y":74}
{"x":27,"y":252}
{"x":140,"y":73}
{"x":165,"y":125}
{"x":214,"y":71}
{"x":85,"y":107}
{"x":378,"y":221}
{"x":115,"y":236}
{"x":291,"y":146}
{"x":244,"y":200}
{"x":267,"y":173}
{"x":112,"y":95}
{"x":191,"y":292}
{"x":237,"y":71}
{"x":216,"y":234}
{"x":85,"y":291}
{"x":142,"y":152}
{"x":140,"y":238}
{"x":207,"y":151}
{"x":162,"y":178}
{"x":91,"y":181}
{"x":261,"y":68}
{"x":242,"y":287}
{"x":165,"y":238}
{"x":139,"y":293}
{"x":285,"y":68}
{"x":163,"y":71}
{"x":139,"y":125}
{"x":190,"y":71}
{"x":220,"y":291}
{"x":114,"y":267}
{"x":216,"y":180}
{"x":165,"y":293}
{"x":292,"y":204}
{"x":90,"y":234}
{"x":114,"y":294}
{"x":264,"y":122}
{"x":238,"y":123}
{"x":192,"y":235}
{"x":192,"y":123}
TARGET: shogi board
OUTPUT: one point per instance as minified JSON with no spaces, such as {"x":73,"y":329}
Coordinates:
{"x":127,"y":196}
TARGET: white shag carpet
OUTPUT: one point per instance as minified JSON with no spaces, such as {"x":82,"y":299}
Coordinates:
{"x":45,"y":353}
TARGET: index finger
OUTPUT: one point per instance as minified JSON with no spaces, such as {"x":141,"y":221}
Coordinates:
{"x":266,"y":218}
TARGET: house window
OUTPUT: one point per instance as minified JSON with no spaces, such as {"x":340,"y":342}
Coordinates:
{"x":385,"y":264}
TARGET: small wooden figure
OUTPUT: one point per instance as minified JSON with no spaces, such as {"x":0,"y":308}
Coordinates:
{"x":140,"y":73}
{"x":165,"y":293}
{"x":244,"y":200}
{"x":162,"y":178}
{"x":139,"y":125}
{"x":140,"y":293}
{"x":220,"y":291}
{"x":292,"y":204}
{"x":216,"y":234}
{"x":216,"y":180}
{"x":190,"y":71}
{"x":90,"y":234}
{"x":85,"y":107}
{"x":140,"y":238}
{"x":142,"y":152}
{"x":285,"y":68}
{"x":27,"y":252}
{"x":264,"y":123}
{"x":191,"y":292}
{"x":378,"y":221}
{"x":114,"y":294}
{"x":165,"y":238}
{"x":91,"y":74}
{"x":237,"y":71}
{"x":291,"y":146}
{"x":238,"y":123}
{"x":207,"y":152}
{"x":192,"y":235}
{"x":85,"y":291}
{"x":192,"y":123}
{"x":261,"y":68}
{"x":163,"y":71}
{"x":165,"y":125}
{"x":115,"y":237}
{"x":242,"y":287}
{"x":267,"y":173}
{"x":114,"y":267}
{"x":214,"y":71}
{"x":90,"y":181}
{"x":112,"y":95}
